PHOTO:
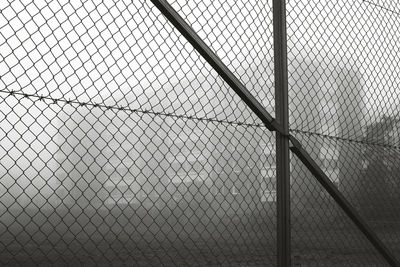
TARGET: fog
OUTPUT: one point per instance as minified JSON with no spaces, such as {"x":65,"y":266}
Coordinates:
{"x":93,"y":52}
{"x":165,"y":115}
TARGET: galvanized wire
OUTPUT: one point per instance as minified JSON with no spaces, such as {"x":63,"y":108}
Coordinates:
{"x":121,"y":145}
{"x":344,"y":105}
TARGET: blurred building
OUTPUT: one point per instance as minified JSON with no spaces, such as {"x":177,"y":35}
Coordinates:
{"x":110,"y":157}
{"x":212,"y":161}
{"x":327,"y":100}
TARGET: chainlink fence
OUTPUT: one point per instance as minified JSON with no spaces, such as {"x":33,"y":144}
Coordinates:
{"x":348,"y":86}
{"x":121,"y":145}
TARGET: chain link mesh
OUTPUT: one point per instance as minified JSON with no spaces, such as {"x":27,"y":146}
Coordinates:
{"x":240,"y":33}
{"x":120,"y":145}
{"x":322,"y":235}
{"x":343,"y":76}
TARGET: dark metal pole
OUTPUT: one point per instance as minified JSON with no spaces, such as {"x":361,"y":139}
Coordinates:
{"x":282,"y":138}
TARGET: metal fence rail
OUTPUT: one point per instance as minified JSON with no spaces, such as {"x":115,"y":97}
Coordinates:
{"x":144,"y":133}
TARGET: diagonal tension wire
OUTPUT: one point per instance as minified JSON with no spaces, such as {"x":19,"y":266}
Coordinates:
{"x":121,"y":108}
{"x":172,"y":115}
{"x":337,"y":138}
{"x":380,"y":6}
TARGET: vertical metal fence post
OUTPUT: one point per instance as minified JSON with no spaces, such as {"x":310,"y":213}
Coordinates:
{"x":282,"y":138}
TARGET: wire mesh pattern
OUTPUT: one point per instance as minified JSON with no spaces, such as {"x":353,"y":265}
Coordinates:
{"x":322,"y":235}
{"x":240,"y":33}
{"x":120,"y":145}
{"x":342,"y":70}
